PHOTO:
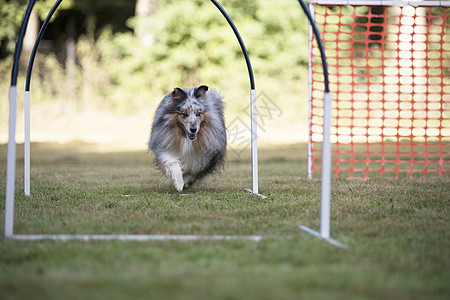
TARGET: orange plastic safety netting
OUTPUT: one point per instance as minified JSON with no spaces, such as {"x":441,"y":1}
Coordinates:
{"x":389,"y":70}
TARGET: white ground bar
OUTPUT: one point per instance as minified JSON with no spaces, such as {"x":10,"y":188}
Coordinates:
{"x":318,"y":235}
{"x":381,"y":2}
{"x":132,"y":237}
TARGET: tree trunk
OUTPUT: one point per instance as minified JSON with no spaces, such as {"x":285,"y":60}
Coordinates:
{"x":144,"y":9}
{"x":71,"y":61}
{"x":30,"y":37}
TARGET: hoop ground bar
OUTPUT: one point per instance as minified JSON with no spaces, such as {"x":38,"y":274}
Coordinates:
{"x":319,"y":235}
{"x":133,"y":237}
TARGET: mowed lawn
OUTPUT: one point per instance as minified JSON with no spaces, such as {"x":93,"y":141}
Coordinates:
{"x":397,"y":231}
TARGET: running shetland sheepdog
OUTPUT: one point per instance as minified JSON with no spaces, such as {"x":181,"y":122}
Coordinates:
{"x":188,"y":135}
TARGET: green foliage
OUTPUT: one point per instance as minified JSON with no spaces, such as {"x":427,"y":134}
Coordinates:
{"x":42,"y":7}
{"x":192,"y":44}
{"x":11,"y":15}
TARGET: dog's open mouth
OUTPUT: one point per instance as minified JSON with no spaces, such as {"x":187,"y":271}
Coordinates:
{"x":192,"y":136}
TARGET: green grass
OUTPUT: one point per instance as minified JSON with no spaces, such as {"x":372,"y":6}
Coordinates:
{"x":397,"y":231}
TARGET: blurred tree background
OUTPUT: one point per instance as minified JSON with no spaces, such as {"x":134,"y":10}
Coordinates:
{"x":118,"y":58}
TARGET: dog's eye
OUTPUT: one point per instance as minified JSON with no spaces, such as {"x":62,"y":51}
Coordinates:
{"x":184,"y":115}
{"x":198,"y":114}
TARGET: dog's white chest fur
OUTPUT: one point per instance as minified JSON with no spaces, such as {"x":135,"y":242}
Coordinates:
{"x":190,"y":159}
{"x":183,"y":165}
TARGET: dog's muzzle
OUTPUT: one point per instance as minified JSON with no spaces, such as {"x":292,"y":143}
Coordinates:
{"x":192,"y":135}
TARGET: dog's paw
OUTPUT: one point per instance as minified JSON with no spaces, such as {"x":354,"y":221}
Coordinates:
{"x":178,"y":184}
{"x":174,"y":171}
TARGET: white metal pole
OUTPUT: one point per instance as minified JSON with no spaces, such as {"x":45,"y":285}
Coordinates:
{"x":27,"y":144}
{"x":326,"y":170}
{"x":254,"y":124}
{"x":310,"y":40}
{"x":11,"y":164}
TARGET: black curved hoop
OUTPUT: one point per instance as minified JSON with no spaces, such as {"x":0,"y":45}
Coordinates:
{"x":241,"y":42}
{"x":58,"y":2}
{"x":36,"y":43}
{"x":319,"y":43}
{"x":23,"y":29}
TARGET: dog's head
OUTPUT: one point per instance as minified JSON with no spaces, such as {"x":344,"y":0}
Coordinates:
{"x":189,"y":109}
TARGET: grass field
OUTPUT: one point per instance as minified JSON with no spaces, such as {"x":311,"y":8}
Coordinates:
{"x":397,"y":232}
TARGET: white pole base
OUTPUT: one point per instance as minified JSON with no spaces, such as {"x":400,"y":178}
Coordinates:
{"x":26,"y":148}
{"x":133,"y":237}
{"x":318,"y":235}
{"x":254,"y":138}
{"x":11,"y":163}
{"x":257,"y":194}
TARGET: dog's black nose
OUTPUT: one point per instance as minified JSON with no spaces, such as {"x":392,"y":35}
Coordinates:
{"x":193,"y":129}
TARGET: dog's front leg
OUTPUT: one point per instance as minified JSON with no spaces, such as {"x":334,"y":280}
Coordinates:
{"x":174,"y":171}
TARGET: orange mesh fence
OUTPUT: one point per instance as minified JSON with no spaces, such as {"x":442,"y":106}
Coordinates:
{"x":390,"y":80}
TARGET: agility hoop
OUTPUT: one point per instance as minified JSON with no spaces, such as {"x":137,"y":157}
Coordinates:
{"x":253,"y":109}
{"x":325,"y":193}
{"x":27,"y":97}
{"x":254,"y":147}
{"x":11,"y":158}
{"x":11,"y":150}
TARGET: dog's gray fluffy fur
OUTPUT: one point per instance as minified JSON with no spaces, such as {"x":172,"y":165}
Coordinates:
{"x":188,"y":135}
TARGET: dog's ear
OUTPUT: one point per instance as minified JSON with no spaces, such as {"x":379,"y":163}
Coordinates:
{"x":200,"y":92}
{"x":178,"y":95}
